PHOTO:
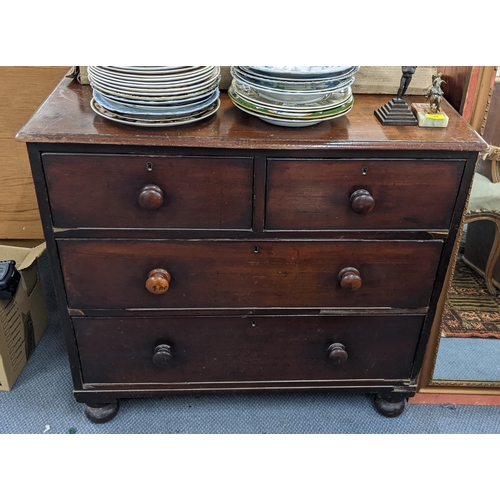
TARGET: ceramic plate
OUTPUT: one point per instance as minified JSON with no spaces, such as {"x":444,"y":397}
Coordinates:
{"x":314,"y":115}
{"x":290,"y":123}
{"x":151,"y":70}
{"x":166,"y":101}
{"x":301,"y":71}
{"x":301,"y":85}
{"x":283,"y":95}
{"x":146,"y":90}
{"x":329,"y":100}
{"x":153,"y":123}
{"x":156,"y":96}
{"x":166,"y":80}
{"x":157,"y":111}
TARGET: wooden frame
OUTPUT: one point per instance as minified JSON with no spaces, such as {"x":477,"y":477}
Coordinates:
{"x":477,"y":85}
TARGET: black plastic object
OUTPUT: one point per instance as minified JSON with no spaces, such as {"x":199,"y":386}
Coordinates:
{"x":9,"y":279}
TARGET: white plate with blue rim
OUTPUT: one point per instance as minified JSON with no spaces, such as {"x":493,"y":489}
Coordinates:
{"x":154,"y":122}
{"x":158,"y":111}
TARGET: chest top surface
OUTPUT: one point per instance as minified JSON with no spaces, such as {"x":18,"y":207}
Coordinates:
{"x":66,"y":117}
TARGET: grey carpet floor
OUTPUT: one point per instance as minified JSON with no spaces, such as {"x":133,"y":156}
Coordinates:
{"x":468,"y":359}
{"x":41,"y":402}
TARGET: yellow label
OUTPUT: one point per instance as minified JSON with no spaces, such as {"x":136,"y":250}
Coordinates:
{"x":434,"y":116}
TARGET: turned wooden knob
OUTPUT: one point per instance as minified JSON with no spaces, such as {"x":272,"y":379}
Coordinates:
{"x":350,"y":278}
{"x":151,"y":197}
{"x":337,"y":353}
{"x":158,"y":281}
{"x":362,"y":201}
{"x":162,"y":354}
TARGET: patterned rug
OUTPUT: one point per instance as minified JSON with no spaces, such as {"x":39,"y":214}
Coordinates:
{"x":470,"y":311}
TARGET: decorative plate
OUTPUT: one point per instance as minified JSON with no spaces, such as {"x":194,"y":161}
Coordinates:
{"x":153,"y":123}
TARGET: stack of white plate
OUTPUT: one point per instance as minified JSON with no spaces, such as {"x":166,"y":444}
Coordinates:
{"x":293,"y":96}
{"x":155,"y":96}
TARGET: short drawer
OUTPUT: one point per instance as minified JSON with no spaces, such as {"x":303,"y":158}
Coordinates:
{"x":361,"y":194}
{"x":225,"y":349}
{"x":114,"y":274}
{"x":128,"y":191}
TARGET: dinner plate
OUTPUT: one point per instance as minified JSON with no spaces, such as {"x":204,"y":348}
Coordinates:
{"x":156,"y":80}
{"x":328,"y":101}
{"x":285,"y":95}
{"x":301,"y":71}
{"x":156,"y":96}
{"x":153,"y":123}
{"x":158,"y":111}
{"x":166,"y":101}
{"x":146,"y":90}
{"x":277,"y":113}
{"x":291,"y":84}
{"x":151,"y":70}
{"x":289,"y":123}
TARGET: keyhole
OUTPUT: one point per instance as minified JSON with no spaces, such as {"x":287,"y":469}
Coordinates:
{"x":364,"y":170}
{"x":255,"y":249}
{"x":149,"y":166}
{"x":254,"y":323}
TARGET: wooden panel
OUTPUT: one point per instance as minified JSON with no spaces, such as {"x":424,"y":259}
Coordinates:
{"x":386,"y":80}
{"x":315,"y":194}
{"x":110,"y":185}
{"x":228,"y":274}
{"x":245,"y":349}
{"x":455,"y":88}
{"x":22,"y":90}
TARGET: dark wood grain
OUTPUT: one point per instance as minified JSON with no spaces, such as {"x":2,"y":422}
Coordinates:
{"x":254,"y":224}
{"x":245,"y":349}
{"x":66,"y":117}
{"x":197,"y":192}
{"x":228,"y":274}
{"x":316,"y":194}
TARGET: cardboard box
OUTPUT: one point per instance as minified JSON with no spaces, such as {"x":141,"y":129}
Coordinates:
{"x":24,"y":318}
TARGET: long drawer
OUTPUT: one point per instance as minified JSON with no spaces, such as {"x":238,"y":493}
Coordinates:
{"x":131,"y":191}
{"x":241,"y":349}
{"x":361,"y":194}
{"x":123,"y":274}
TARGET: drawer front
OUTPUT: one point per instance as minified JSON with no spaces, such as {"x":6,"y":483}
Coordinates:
{"x":331,"y":194}
{"x":248,"y":274}
{"x":121,"y":191}
{"x":209,"y":349}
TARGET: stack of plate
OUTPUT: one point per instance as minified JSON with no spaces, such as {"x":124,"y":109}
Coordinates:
{"x":155,"y":96}
{"x":293,"y":96}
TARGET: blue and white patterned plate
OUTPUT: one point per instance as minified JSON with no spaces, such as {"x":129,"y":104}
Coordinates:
{"x":302,"y":71}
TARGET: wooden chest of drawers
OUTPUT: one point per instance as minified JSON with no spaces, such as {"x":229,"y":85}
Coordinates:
{"x":234,"y":255}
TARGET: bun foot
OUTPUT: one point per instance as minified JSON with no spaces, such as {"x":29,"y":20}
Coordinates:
{"x":389,"y":408}
{"x":99,"y":414}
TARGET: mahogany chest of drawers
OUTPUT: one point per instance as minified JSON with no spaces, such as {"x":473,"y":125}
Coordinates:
{"x":232,"y":255}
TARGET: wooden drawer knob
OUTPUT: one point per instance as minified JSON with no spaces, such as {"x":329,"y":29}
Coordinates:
{"x":362,"y":201}
{"x":162,"y":355}
{"x":350,"y":278}
{"x":337,"y":353}
{"x":151,"y":197}
{"x":158,"y":281}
